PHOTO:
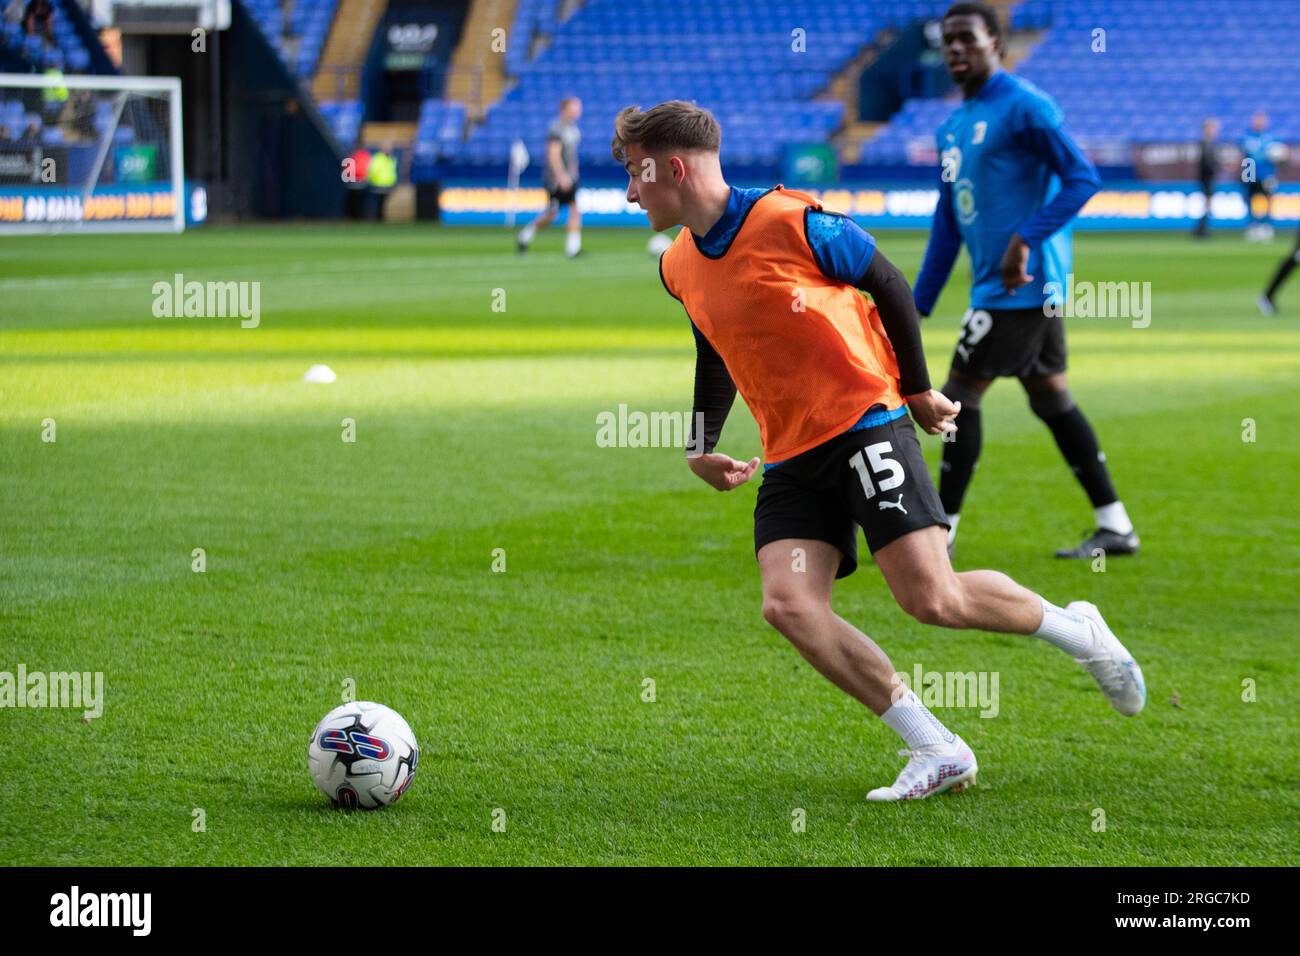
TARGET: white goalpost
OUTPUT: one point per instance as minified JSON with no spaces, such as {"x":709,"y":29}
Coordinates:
{"x":90,"y":154}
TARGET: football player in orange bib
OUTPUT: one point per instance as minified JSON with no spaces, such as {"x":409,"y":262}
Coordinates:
{"x":770,"y":282}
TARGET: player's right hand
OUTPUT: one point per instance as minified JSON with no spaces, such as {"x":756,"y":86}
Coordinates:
{"x":1015,"y":265}
{"x":722,"y":471}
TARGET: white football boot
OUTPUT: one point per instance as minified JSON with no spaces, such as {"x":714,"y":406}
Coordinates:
{"x":1113,"y":667}
{"x":936,"y":768}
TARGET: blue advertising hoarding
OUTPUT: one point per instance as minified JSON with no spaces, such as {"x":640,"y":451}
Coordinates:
{"x":146,"y":202}
{"x":1118,"y":206}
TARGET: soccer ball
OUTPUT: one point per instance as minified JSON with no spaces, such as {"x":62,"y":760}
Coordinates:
{"x":362,"y":755}
{"x":659,"y":244}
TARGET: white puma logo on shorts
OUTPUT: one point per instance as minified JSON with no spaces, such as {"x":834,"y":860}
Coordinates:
{"x":893,"y":504}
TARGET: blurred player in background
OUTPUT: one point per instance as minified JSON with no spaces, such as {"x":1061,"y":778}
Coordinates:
{"x":1259,"y":147}
{"x":1207,"y":170}
{"x":769,"y":281}
{"x":560,"y":177}
{"x":1004,"y":154}
{"x":1268,"y":301}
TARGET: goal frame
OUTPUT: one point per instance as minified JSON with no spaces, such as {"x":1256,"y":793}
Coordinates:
{"x":114,"y":84}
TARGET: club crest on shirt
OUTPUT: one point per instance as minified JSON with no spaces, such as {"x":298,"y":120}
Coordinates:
{"x":964,"y":200}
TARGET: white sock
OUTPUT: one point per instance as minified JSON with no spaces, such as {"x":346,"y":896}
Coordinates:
{"x":1113,"y":517}
{"x":526,"y":234}
{"x":572,"y":243}
{"x":952,"y":528}
{"x":1067,"y":630}
{"x":910,"y":719}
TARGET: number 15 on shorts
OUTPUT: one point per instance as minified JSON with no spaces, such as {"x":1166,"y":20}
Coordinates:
{"x":876,"y":463}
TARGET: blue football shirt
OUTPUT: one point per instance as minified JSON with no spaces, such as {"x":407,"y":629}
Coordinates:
{"x":1006,"y":167}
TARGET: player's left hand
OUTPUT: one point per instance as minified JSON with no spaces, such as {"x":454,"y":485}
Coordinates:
{"x":933,"y":411}
{"x":1015,"y":265}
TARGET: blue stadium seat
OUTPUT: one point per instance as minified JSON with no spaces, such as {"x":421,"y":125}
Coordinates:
{"x":733,"y":56}
{"x":309,"y":21}
{"x":344,"y":117}
{"x":1140,"y":89}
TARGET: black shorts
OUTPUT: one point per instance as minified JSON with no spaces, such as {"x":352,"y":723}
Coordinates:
{"x":1010,"y":343}
{"x":1260,"y":193}
{"x":873,"y":477}
{"x":562,"y":196}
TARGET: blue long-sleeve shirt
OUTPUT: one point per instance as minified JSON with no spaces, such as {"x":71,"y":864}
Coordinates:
{"x":1006,"y":167}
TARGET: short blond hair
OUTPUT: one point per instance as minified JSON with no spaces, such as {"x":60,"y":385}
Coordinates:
{"x":675,"y":124}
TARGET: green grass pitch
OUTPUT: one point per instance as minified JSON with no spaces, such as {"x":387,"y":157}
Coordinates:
{"x":475,"y":430}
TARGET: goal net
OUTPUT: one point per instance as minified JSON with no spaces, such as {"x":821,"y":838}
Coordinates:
{"x":90,"y":153}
